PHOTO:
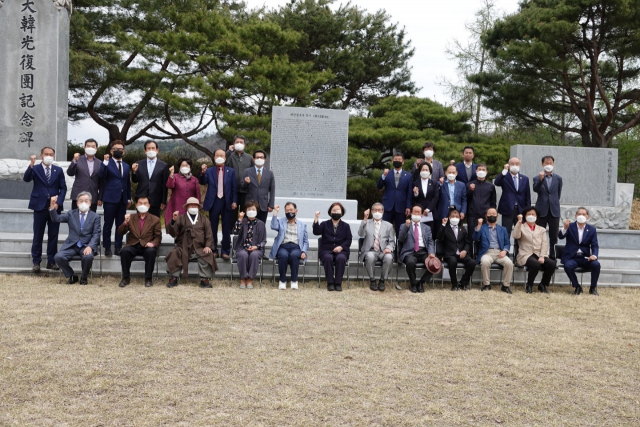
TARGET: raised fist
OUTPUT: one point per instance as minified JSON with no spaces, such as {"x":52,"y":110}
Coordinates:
{"x":415,"y":191}
{"x":127,"y":217}
{"x":317,"y":214}
{"x":386,"y":171}
{"x":134,"y":167}
{"x":444,"y":221}
{"x":106,"y":157}
{"x":452,"y":162}
{"x":276,"y":208}
{"x":566,"y":223}
{"x":76,"y":156}
{"x":442,"y":180}
{"x":175,"y":215}
{"x":54,"y":199}
{"x":204,"y":167}
{"x":480,"y":221}
{"x":366,"y":214}
{"x":247,"y":180}
{"x":520,"y":218}
{"x":506,"y":167}
{"x":419,"y":162}
{"x":240,"y":216}
{"x":172,"y":170}
{"x":472,"y":187}
{"x":408,"y":223}
{"x":541,"y":175}
{"x":33,"y":160}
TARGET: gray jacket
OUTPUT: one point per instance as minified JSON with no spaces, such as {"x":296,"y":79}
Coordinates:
{"x":387,"y":236}
{"x":84,"y":181}
{"x":548,"y":202}
{"x":239,"y":164}
{"x":263,"y":193}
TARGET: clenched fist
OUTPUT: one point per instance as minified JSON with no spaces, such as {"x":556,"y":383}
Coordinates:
{"x":76,"y":157}
{"x":444,"y":221}
{"x":106,"y":157}
{"x":134,"y":167}
{"x":175,"y":215}
{"x":204,"y":168}
{"x":247,"y":180}
{"x":506,"y":167}
{"x":415,"y":191}
{"x":441,"y":180}
{"x":472,"y":187}
{"x":127,"y":217}
{"x":276,"y":209}
{"x":566,"y":223}
{"x":520,"y":218}
{"x":408,"y":223}
{"x":54,"y":199}
{"x":172,"y":170}
{"x":541,"y":175}
{"x":240,"y":216}
{"x":366,"y":214}
{"x":33,"y":160}
{"x":386,"y":171}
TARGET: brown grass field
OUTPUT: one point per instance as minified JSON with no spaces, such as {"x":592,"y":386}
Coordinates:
{"x":104,"y":356}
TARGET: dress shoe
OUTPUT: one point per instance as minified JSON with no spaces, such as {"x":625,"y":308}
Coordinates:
{"x":36,"y":268}
{"x":52,"y":267}
{"x":577,"y":290}
{"x":381,"y":287}
{"x":331,"y":287}
{"x":338,"y":287}
{"x":225,"y":257}
{"x":205,"y":283}
{"x":118,"y":251}
{"x":73,"y":279}
{"x":172,"y":283}
{"x":465,"y":287}
{"x":83,"y":281}
{"x":373,"y":285}
{"x":421,"y":286}
{"x":148,"y":283}
{"x":215,"y":255}
{"x":506,"y":289}
{"x":107,"y":252}
{"x":486,"y":288}
{"x":528,"y":289}
{"x":594,"y":291}
{"x":454,"y":286}
{"x":543,"y":289}
{"x":414,"y":288}
{"x":124,"y":282}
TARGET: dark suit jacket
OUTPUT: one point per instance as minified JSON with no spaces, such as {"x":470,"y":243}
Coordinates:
{"x":430,"y":201}
{"x":589,"y":245}
{"x":90,"y":233}
{"x":548,"y":202}
{"x":156,"y":187}
{"x":117,"y":188}
{"x":43,"y":190}
{"x":510,"y":196}
{"x":396,"y":199}
{"x":150,"y":233}
{"x":83,"y":181}
{"x":462,"y":172}
{"x":263,"y":193}
{"x":210,"y":179}
{"x":406,"y":241}
{"x":450,"y":243}
{"x":330,"y":241}
{"x":460,"y":199}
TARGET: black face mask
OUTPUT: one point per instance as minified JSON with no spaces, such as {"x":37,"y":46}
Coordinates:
{"x":336,"y":216}
{"x":290,"y":215}
{"x":118,"y":154}
{"x":397,"y":164}
{"x":492,"y":219}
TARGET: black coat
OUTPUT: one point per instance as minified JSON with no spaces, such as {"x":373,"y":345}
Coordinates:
{"x":449,"y":242}
{"x":430,"y":201}
{"x":342,"y":237}
{"x":156,"y":187}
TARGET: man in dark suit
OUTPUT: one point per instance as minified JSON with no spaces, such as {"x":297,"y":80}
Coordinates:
{"x":416,"y":246}
{"x":239,"y":161}
{"x":48,"y":181}
{"x":398,"y":191}
{"x":466,"y":168}
{"x":86,"y":170}
{"x":453,"y":194}
{"x":260,"y":185}
{"x":221,"y":199}
{"x":516,"y":194}
{"x":116,"y":195}
{"x":581,"y":250}
{"x":83,"y":238}
{"x":548,"y":185}
{"x":151,"y":176}
{"x":456,"y":248}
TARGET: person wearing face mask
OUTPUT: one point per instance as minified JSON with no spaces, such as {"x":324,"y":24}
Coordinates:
{"x":249,"y":246}
{"x":481,"y":195}
{"x":220,"y":201}
{"x":548,"y":186}
{"x":581,"y":250}
{"x":116,"y":196}
{"x":466,"y":168}
{"x":48,"y":181}
{"x":239,"y":160}
{"x":456,"y":250}
{"x":260,"y":185}
{"x":144,"y":234}
{"x":494,"y":247}
{"x":516,"y":194}
{"x":426,"y":193}
{"x":453,"y":194}
{"x":86,"y":170}
{"x":336,"y":243}
{"x":416,"y":245}
{"x":398,"y":193}
{"x":151,"y":175}
{"x":290,"y":245}
{"x":183,"y":186}
{"x":437,"y":171}
{"x":378,"y":245}
{"x":83,"y":238}
{"x":533,"y":250}
{"x":193,"y":241}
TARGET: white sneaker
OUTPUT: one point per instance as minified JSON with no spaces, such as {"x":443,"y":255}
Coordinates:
{"x":294,"y":285}
{"x":282,"y":285}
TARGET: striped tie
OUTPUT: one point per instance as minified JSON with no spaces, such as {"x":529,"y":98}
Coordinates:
{"x":47,"y":172}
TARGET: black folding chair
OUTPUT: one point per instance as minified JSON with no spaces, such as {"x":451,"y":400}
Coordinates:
{"x":321,"y":264}
{"x":559,"y":265}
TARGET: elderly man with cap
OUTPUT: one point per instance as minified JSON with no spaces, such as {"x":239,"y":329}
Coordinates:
{"x":193,"y":240}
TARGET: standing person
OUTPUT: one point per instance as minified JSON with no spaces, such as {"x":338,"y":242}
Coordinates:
{"x":437,"y":171}
{"x":466,"y":168}
{"x":144,"y":234}
{"x":533,"y":250}
{"x":336,"y":244}
{"x":548,"y":185}
{"x":116,"y":195}
{"x":417,"y":246}
{"x":249,"y":246}
{"x":151,"y":176}
{"x":453,"y":194}
{"x":481,"y":195}
{"x":83,"y":238}
{"x":494,"y":247}
{"x":378,"y":245}
{"x":239,"y":161}
{"x":220,"y":200}
{"x":581,"y":250}
{"x":426,"y":193}
{"x":397,"y":195}
{"x":260,"y":185}
{"x":48,"y":181}
{"x":183,"y":186}
{"x":516,"y":195}
{"x":456,"y":249}
{"x":290,"y":245}
{"x":86,"y":170}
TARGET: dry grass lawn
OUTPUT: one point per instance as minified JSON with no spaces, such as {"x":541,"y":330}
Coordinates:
{"x":103,"y":356}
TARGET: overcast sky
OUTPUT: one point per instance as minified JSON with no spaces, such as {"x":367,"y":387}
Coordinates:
{"x":430,"y":25}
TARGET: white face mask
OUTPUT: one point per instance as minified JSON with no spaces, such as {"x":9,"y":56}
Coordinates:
{"x":185,"y":171}
{"x":239,"y":146}
{"x":531,"y":219}
{"x":481,"y":174}
{"x":514,"y":169}
{"x":47,"y":160}
{"x":152,"y":154}
{"x":84,"y":207}
{"x":142,"y":209}
{"x":377,"y":215}
{"x":259,"y":162}
{"x":193,"y":211}
{"x":428,"y":154}
{"x":89,"y":151}
{"x":454,"y":221}
{"x":252,"y":214}
{"x":416,"y":218}
{"x":581,"y":219}
{"x":451,"y":177}
{"x":548,"y":168}
{"x":425,"y":174}
{"x":219,"y":160}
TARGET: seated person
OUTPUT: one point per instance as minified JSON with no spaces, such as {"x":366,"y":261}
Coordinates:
{"x":417,"y":246}
{"x":533,"y":250}
{"x":494,"y":247}
{"x":336,"y":243}
{"x":581,"y":250}
{"x":193,"y":240}
{"x":144,"y":233}
{"x":456,"y":249}
{"x":249,"y":246}
{"x":83,"y":238}
{"x":378,"y":245}
{"x":290,"y":245}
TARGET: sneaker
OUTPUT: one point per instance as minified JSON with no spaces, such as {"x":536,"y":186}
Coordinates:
{"x":249,"y":286}
{"x":294,"y":285}
{"x":282,"y":285}
{"x":242,"y":286}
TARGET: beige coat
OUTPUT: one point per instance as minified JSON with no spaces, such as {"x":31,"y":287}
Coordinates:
{"x":530,"y":242}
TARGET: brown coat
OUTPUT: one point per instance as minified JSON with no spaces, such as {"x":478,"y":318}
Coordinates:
{"x":530,"y":242}
{"x":189,"y":238}
{"x":151,"y":232}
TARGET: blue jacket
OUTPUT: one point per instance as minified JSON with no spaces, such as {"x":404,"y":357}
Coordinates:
{"x":589,"y":245}
{"x":210,"y":179}
{"x":43,"y":191}
{"x":117,"y":188}
{"x":459,"y":196}
{"x":462,"y":172}
{"x":396,"y":199}
{"x":510,"y":196}
{"x":406,"y":238}
{"x":483,"y":237}
{"x":90,"y":233}
{"x":280,"y":225}
{"x":548,"y":202}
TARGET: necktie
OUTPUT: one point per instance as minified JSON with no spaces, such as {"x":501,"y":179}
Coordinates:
{"x":259,"y":176}
{"x":455,"y":230}
{"x":47,"y":172}
{"x":376,"y":240}
{"x":151,"y":167}
{"x":81,"y":227}
{"x":397,"y":178}
{"x":120,"y":167}
{"x":220,"y":180}
{"x":416,"y":238}
{"x":515,"y":182}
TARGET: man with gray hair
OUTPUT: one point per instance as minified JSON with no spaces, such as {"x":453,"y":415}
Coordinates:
{"x":378,"y":244}
{"x":83,"y":238}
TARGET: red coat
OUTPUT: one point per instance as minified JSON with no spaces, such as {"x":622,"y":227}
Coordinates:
{"x":182,"y":189}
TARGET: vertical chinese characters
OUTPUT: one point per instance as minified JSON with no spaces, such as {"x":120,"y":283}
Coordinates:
{"x":27,"y":25}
